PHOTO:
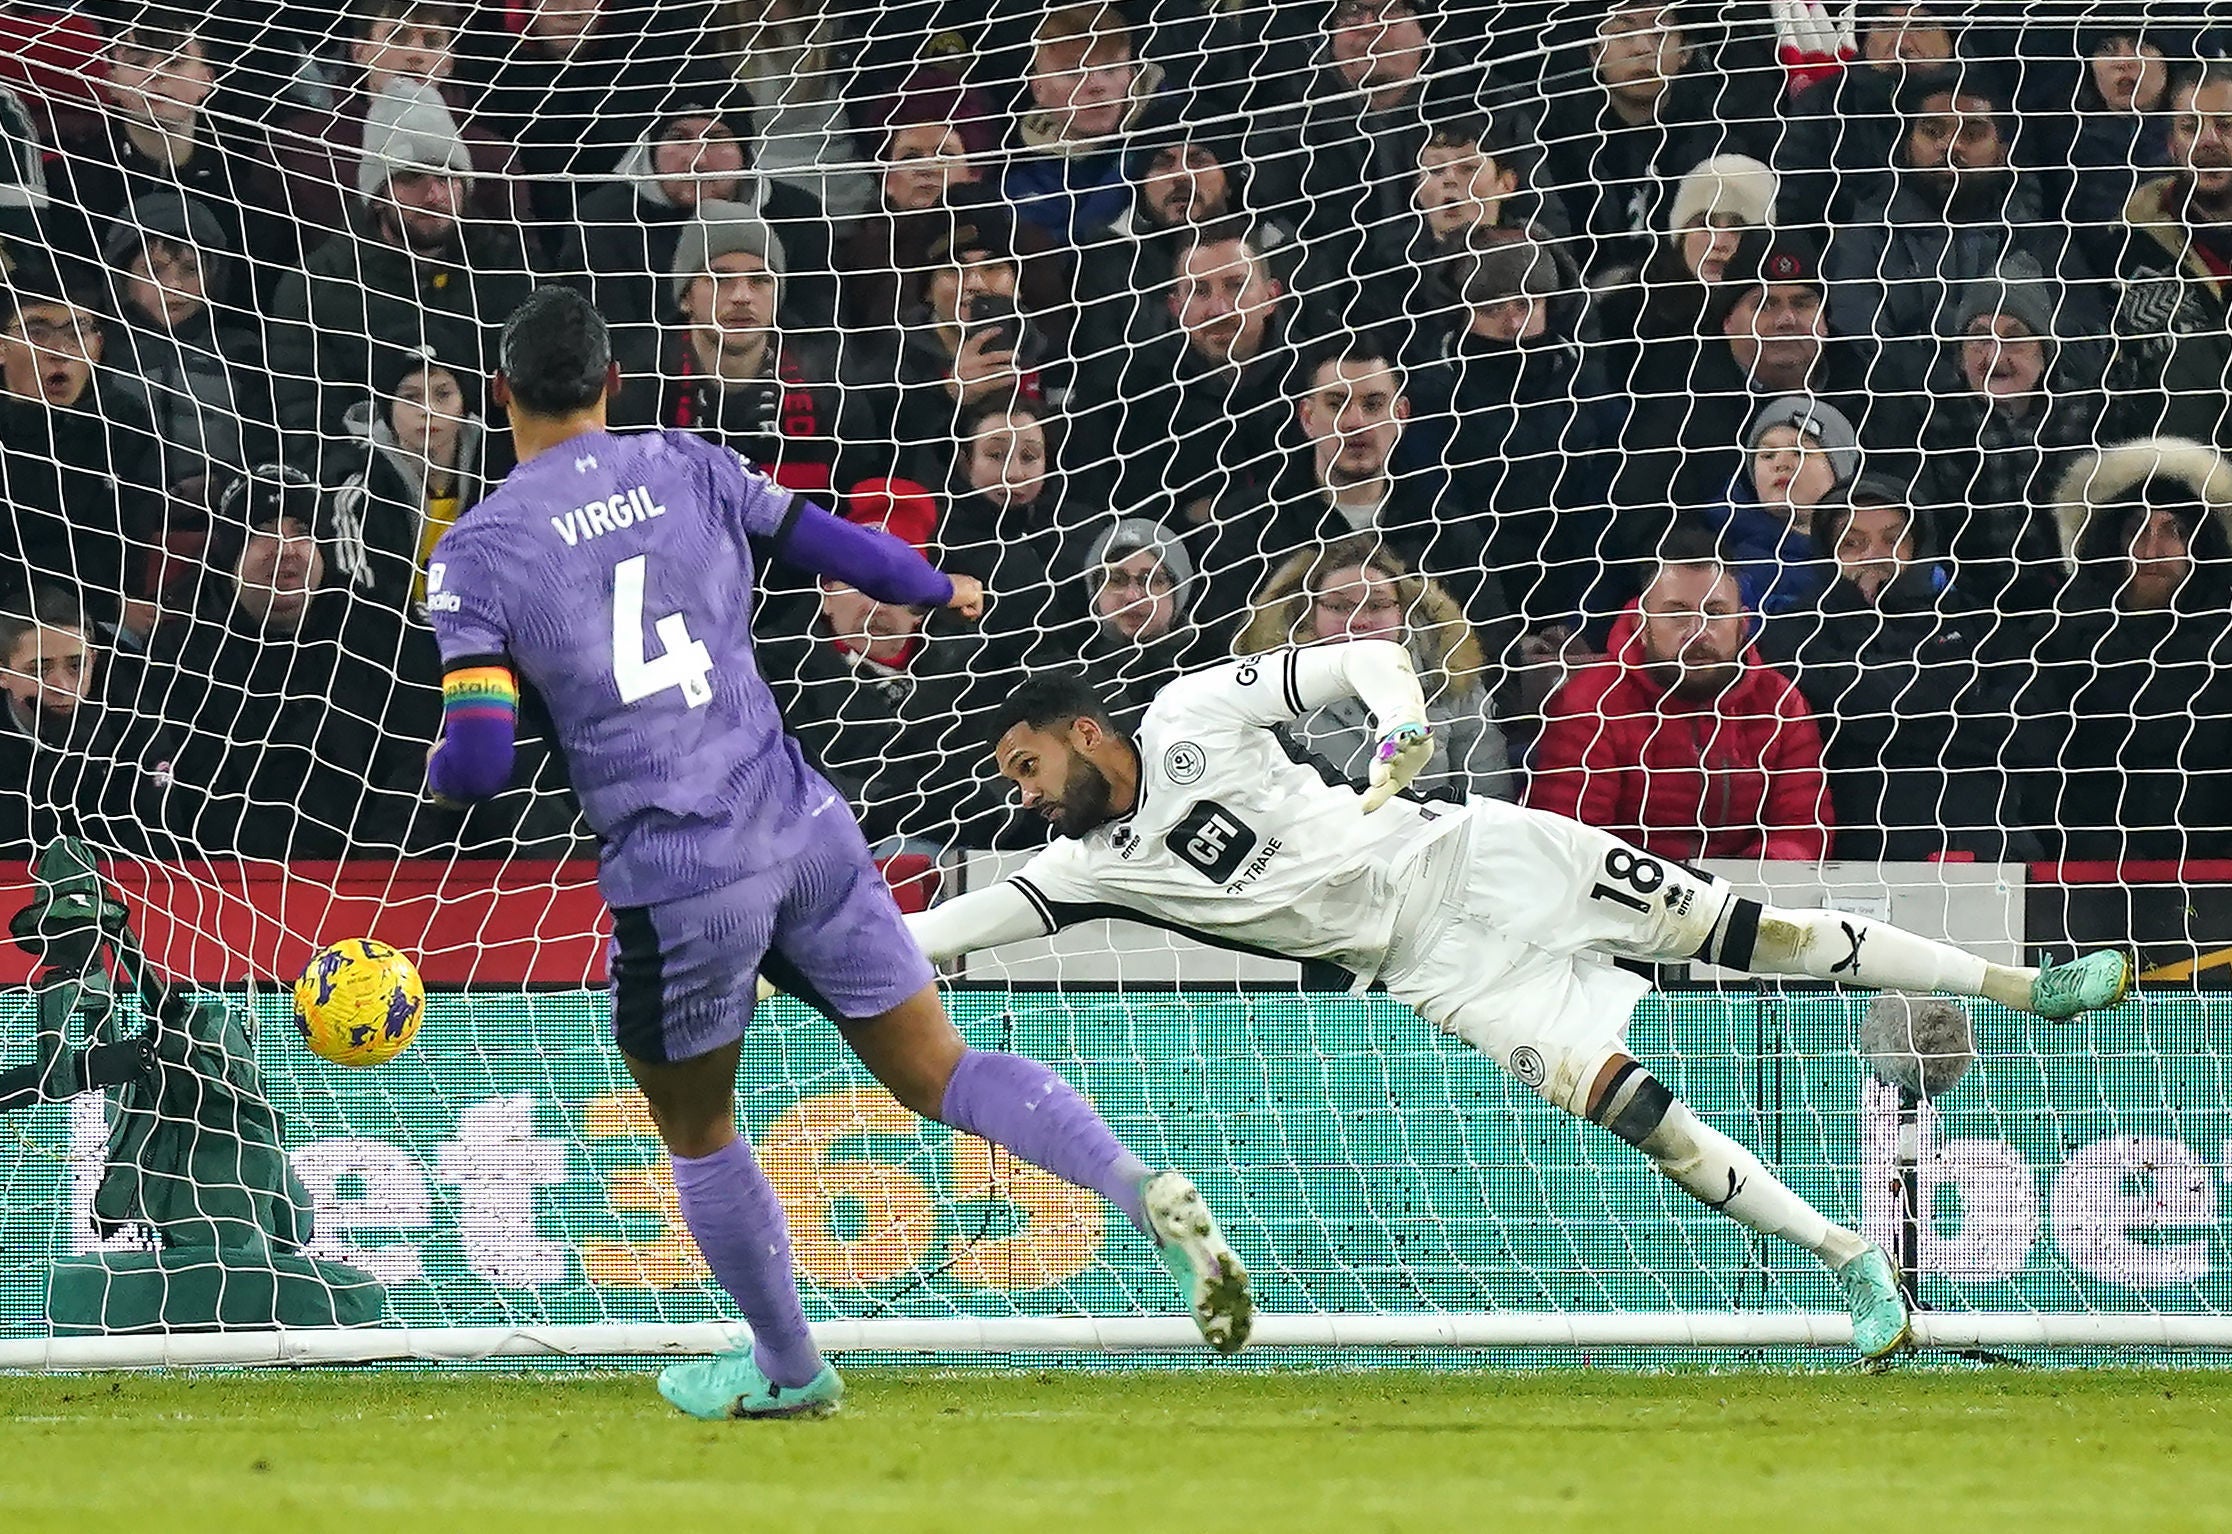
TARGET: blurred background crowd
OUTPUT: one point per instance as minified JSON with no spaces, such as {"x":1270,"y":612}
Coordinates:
{"x":1778,"y":430}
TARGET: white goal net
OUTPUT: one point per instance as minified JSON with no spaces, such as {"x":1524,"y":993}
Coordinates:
{"x":1895,"y":337}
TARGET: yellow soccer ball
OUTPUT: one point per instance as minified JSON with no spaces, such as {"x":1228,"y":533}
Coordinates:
{"x":359,"y":1002}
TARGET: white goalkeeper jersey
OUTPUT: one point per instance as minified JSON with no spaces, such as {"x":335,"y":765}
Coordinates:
{"x":1230,"y":840}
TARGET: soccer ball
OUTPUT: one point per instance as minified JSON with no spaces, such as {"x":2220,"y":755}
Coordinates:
{"x":359,"y":1002}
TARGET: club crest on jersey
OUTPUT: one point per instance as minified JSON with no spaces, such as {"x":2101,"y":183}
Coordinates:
{"x":1185,"y":762}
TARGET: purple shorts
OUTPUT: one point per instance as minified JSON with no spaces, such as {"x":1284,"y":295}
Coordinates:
{"x":823,"y":926}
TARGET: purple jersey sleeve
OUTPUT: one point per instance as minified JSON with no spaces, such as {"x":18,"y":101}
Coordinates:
{"x":465,"y":598}
{"x":754,"y":502}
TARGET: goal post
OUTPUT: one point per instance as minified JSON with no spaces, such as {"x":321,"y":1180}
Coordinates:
{"x":1190,"y":329}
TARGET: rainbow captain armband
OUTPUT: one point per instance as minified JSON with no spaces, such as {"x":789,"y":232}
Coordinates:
{"x":480,"y":715}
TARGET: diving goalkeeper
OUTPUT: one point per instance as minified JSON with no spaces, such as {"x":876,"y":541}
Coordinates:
{"x":1496,"y":923}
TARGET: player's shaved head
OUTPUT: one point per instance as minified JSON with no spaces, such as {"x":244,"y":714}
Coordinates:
{"x":1055,"y":740}
{"x":557,"y":353}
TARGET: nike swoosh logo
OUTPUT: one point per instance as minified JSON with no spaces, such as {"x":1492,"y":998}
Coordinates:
{"x":817,"y":809}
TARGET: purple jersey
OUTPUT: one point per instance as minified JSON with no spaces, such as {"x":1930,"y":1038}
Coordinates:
{"x":611,"y":573}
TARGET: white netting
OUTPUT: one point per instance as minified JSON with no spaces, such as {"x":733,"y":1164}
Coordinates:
{"x":1187,"y":326}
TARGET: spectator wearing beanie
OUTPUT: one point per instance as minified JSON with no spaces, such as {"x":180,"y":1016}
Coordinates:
{"x":973,"y":331}
{"x":1999,"y":438}
{"x":396,"y":45}
{"x":731,"y":371}
{"x":1766,"y":335}
{"x":1653,"y":114}
{"x":1182,"y":177}
{"x":302,"y":710}
{"x":1655,"y":323}
{"x":1138,"y":592}
{"x":695,"y":156}
{"x":409,"y":272}
{"x":1960,"y":209}
{"x":2127,"y":717}
{"x":425,"y":464}
{"x":1800,"y":453}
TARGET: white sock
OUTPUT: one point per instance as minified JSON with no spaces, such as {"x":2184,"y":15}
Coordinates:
{"x":1857,"y":950}
{"x":1721,"y":1174}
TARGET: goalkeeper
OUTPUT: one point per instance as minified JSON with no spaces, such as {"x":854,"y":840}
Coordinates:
{"x":1496,"y":923}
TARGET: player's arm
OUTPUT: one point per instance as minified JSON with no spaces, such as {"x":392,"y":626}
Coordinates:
{"x":871,"y":560}
{"x":472,"y":756}
{"x":1011,"y":911}
{"x":1273,"y":688}
{"x":1000,"y":913}
{"x":803,"y":534}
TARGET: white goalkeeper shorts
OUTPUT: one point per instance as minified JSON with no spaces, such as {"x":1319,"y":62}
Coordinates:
{"x":1516,"y":956}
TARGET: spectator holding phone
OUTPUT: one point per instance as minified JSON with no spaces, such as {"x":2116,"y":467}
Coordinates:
{"x":966,"y":338}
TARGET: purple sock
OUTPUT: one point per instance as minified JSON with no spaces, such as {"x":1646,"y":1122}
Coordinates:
{"x":1023,"y":1105}
{"x":733,"y":1212}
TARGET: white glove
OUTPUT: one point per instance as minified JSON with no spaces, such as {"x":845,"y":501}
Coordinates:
{"x":768,"y":988}
{"x":1402,"y":754}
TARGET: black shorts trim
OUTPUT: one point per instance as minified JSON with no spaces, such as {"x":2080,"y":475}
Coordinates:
{"x":638,"y":986}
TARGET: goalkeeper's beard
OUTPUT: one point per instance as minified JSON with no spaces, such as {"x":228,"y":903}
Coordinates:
{"x":1087,"y":801}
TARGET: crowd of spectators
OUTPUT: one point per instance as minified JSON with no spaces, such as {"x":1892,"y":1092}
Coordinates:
{"x":1775,"y":432}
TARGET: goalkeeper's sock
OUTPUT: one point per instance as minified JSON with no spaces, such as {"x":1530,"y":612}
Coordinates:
{"x":1023,"y":1105}
{"x":1856,"y":950}
{"x":1721,"y":1174}
{"x":737,"y":1221}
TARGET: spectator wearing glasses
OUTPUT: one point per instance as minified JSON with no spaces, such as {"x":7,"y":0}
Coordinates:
{"x":1358,"y":588}
{"x":1140,"y":593}
{"x":80,"y":467}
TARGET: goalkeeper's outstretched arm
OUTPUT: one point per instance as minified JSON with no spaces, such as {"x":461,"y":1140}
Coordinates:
{"x":985,"y":918}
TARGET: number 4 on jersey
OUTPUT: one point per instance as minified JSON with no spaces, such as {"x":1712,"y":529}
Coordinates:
{"x":686,"y":662}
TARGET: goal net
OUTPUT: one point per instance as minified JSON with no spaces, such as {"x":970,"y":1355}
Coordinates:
{"x":1786,"y":434}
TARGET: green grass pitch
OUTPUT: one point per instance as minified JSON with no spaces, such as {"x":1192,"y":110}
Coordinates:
{"x":1072,"y":1453}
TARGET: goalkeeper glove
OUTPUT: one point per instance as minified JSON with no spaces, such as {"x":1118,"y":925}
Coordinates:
{"x":1402,"y":754}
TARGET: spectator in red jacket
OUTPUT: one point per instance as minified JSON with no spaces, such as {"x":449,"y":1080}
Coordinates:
{"x":1684,"y":741}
